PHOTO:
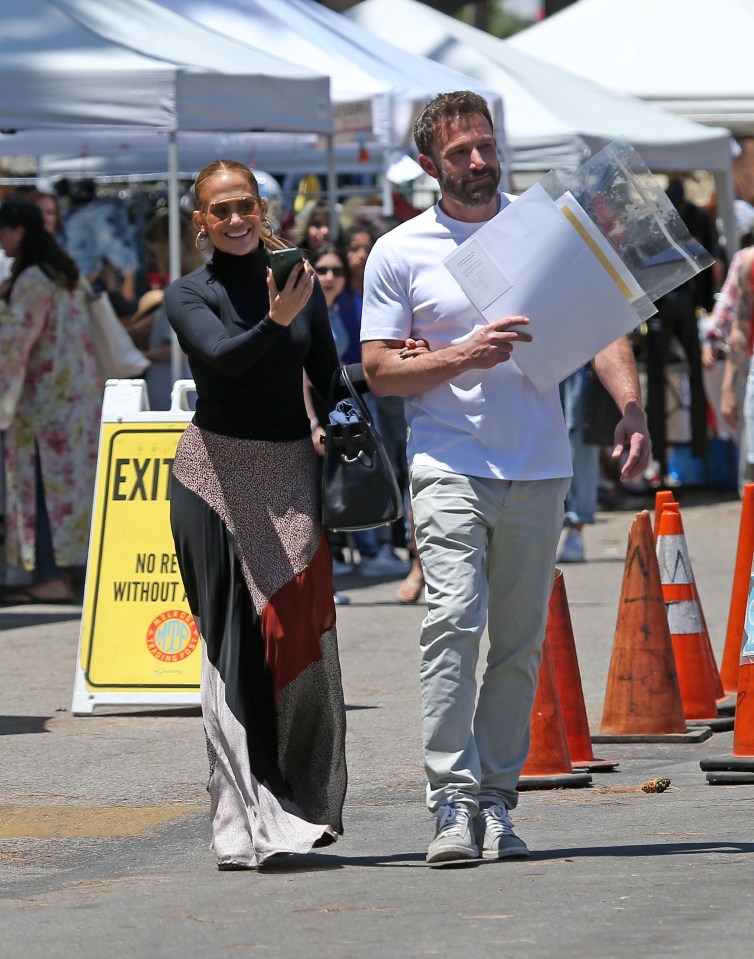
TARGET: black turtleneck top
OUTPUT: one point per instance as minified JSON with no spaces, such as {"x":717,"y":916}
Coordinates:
{"x":248,"y":370}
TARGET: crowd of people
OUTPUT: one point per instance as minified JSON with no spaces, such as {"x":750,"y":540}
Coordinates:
{"x":499,"y":479}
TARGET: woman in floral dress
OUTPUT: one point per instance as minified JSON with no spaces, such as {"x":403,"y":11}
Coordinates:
{"x":49,"y":408}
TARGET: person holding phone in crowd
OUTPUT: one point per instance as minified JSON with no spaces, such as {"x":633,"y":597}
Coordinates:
{"x":245,"y":514}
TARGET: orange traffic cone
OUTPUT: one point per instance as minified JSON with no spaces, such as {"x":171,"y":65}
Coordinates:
{"x":729,"y":668}
{"x":548,"y":765}
{"x":662,"y":496}
{"x":694,"y":660}
{"x":643,"y":699}
{"x":739,"y":768}
{"x":565,"y":662}
{"x":743,"y":729}
{"x":725,"y":705}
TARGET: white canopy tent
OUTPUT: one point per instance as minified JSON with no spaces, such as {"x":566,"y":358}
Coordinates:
{"x":554,"y":119}
{"x":692,"y":57}
{"x":374,"y":87}
{"x":132,"y":63}
{"x":67,"y":63}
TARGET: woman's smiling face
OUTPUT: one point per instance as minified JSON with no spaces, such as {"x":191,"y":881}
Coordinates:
{"x":238,"y":233}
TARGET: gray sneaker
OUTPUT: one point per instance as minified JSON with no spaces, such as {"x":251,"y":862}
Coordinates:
{"x":454,"y":840}
{"x":494,"y":833}
{"x":571,"y":549}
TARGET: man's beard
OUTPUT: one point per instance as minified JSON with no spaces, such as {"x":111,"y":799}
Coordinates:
{"x":469,"y":189}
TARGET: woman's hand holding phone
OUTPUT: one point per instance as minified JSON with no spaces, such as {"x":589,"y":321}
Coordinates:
{"x":297,"y":278}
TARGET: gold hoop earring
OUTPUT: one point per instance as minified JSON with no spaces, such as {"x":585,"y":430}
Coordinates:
{"x":266,"y":225}
{"x":202,"y":241}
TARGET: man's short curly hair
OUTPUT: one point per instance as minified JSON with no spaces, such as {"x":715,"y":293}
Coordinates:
{"x":444,"y":107}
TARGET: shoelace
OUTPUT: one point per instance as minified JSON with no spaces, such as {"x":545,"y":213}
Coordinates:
{"x":452,"y":821}
{"x":497,"y":821}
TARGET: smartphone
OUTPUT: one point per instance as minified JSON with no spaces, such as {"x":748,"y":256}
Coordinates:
{"x":282,"y":262}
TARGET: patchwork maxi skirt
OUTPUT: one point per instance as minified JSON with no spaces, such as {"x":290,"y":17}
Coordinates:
{"x":257,"y":569}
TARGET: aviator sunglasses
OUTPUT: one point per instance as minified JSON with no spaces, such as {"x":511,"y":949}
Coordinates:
{"x":243,"y":206}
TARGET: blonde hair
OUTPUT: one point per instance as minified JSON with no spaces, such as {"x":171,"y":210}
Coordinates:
{"x":304,"y":219}
{"x":270,"y":240}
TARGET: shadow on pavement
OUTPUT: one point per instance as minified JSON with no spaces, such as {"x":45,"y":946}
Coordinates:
{"x":135,"y":712}
{"x":657,"y":849}
{"x":397,"y":859}
{"x":18,"y":725}
{"x":21,"y":617}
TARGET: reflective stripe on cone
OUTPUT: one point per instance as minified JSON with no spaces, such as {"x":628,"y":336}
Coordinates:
{"x":687,"y":633}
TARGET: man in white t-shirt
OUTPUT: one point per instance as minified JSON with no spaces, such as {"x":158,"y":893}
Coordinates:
{"x":490,"y":467}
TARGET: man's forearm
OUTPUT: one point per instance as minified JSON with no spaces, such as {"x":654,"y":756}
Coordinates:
{"x":738,"y":350}
{"x":389,"y":375}
{"x":616,"y":368}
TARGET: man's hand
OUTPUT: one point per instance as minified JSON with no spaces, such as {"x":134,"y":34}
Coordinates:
{"x":632,"y":432}
{"x":709,"y":356}
{"x":493,"y":344}
{"x":412,"y":348}
{"x":729,"y":406}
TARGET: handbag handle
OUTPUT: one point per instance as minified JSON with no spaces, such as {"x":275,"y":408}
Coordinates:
{"x":343,"y":374}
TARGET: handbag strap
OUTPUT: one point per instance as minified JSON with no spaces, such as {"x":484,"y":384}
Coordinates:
{"x":342,"y":374}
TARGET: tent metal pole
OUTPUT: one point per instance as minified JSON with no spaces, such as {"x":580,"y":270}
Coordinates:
{"x":332,"y":188}
{"x":174,"y":241}
{"x":387,"y":187}
{"x":726,"y":211}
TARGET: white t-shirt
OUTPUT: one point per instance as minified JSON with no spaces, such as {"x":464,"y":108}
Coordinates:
{"x":484,"y":422}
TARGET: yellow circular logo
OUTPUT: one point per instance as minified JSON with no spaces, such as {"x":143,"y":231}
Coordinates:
{"x":172,"y":636}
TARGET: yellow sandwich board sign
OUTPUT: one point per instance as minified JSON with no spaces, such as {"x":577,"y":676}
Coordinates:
{"x":139,"y":643}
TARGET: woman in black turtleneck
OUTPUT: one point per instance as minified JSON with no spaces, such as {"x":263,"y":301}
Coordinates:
{"x":245,"y":514}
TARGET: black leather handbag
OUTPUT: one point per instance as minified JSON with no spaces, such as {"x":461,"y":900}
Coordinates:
{"x":359,"y":488}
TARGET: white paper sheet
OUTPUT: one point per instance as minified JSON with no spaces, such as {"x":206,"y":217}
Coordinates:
{"x":553,"y":276}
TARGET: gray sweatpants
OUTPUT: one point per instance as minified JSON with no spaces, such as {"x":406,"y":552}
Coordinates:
{"x":487,"y":547}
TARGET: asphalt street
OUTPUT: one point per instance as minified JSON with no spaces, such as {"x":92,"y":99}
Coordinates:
{"x":104,"y":835}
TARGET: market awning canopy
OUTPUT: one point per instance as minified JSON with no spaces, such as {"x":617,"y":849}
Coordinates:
{"x":692,"y":57}
{"x":553,"y":118}
{"x":134,"y":63}
{"x":375,"y":86}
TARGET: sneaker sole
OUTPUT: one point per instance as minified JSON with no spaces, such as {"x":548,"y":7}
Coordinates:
{"x":453,"y":863}
{"x":454,"y":857}
{"x":493,"y":856}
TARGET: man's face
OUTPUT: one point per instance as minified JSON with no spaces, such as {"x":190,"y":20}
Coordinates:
{"x":464,"y":160}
